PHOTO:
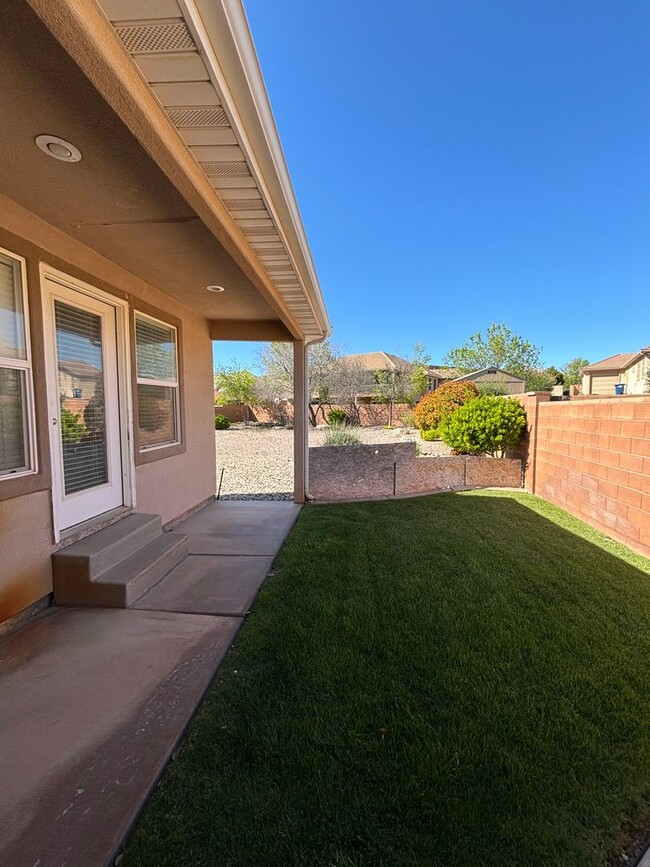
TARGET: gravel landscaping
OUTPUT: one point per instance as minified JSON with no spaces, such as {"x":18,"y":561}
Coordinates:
{"x":258,"y":461}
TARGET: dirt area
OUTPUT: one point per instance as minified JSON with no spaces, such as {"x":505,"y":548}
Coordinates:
{"x":258,"y":461}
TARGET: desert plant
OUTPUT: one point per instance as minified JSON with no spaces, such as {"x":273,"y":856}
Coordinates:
{"x":429,"y":436}
{"x":221,"y":422}
{"x":433,"y":407}
{"x":486,"y":425}
{"x":337,"y":417}
{"x":341,"y":435}
{"x":408,"y":419}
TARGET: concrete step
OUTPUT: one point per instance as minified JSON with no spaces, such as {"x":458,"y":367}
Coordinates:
{"x":126,"y":582}
{"x":101,"y":552}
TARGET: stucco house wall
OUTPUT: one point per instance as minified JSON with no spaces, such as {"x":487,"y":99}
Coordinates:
{"x":169,"y":486}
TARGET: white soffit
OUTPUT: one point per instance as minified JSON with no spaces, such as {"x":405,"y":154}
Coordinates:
{"x":172,"y":48}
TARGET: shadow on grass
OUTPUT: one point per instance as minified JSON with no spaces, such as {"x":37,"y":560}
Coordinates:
{"x":456,"y":679}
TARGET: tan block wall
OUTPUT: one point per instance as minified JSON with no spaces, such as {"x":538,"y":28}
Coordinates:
{"x":370,"y":415}
{"x":369,"y":471}
{"x":592,"y":457}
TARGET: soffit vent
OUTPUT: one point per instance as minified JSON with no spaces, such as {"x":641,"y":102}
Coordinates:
{"x":226,"y":170}
{"x":244,"y":204}
{"x":260,"y":230}
{"x":197,"y":118}
{"x":156,"y":38}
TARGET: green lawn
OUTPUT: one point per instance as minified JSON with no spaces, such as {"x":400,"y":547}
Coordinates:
{"x":462,"y":679}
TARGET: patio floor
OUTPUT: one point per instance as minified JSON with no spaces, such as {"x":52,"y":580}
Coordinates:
{"x":95,"y":700}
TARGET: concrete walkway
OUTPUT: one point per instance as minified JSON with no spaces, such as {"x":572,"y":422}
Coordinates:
{"x":93,"y":701}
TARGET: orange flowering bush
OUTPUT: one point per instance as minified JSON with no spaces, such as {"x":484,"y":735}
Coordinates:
{"x":433,"y":407}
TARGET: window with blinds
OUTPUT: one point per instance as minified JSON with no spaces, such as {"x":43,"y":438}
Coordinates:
{"x":16,"y":414}
{"x":156,"y":350}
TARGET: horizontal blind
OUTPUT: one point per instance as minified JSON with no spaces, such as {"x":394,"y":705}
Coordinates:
{"x":81,"y":392}
{"x":157,"y":415}
{"x":155,"y":350}
{"x":12,"y":320}
{"x":13,"y":451}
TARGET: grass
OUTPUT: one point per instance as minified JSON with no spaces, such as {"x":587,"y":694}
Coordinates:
{"x":449,"y":680}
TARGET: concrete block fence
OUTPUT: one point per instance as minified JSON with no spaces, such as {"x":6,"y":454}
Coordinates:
{"x":370,"y":414}
{"x":369,"y":471}
{"x":591,"y":456}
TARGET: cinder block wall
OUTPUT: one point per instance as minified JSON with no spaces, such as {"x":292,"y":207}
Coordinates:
{"x":592,"y":457}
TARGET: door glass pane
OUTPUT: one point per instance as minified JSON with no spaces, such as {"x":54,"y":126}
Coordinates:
{"x":12,"y":322}
{"x":81,"y":393}
{"x":13,"y":453}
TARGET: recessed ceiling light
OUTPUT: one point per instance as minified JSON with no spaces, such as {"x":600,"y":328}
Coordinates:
{"x":216,"y":288}
{"x":58,"y":148}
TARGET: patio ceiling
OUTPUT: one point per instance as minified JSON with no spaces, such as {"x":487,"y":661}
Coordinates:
{"x":183,"y":181}
{"x":199,"y":59}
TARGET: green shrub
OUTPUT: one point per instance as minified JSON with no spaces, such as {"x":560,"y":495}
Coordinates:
{"x":73,"y":430}
{"x":493,"y":388}
{"x":337,"y":417}
{"x":221,"y":422}
{"x":433,"y":407}
{"x":486,"y":425}
{"x":429,"y":435}
{"x":341,"y":435}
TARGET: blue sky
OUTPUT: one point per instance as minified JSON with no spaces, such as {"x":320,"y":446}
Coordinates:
{"x":467,"y":162}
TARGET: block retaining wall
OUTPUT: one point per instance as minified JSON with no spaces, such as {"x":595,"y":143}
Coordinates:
{"x":367,"y":471}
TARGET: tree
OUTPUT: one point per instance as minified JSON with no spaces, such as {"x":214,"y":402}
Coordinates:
{"x":236,"y":385}
{"x":350,"y":380}
{"x":499,"y":348}
{"x":404,"y":384}
{"x":573,"y":370}
{"x":276,"y":360}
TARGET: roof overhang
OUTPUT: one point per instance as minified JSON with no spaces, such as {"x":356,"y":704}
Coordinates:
{"x":184,"y":78}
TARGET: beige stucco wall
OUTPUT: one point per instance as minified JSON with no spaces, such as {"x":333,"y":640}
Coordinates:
{"x":635,"y":377}
{"x":169,"y":486}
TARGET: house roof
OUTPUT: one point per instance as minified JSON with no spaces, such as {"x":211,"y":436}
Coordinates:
{"x":80,"y":369}
{"x":183,"y":182}
{"x":442,"y":372}
{"x":377,"y":360}
{"x":490,"y":373}
{"x":620,"y":361}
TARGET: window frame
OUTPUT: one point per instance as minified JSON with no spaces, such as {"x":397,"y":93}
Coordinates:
{"x":177,"y":444}
{"x":25,"y":365}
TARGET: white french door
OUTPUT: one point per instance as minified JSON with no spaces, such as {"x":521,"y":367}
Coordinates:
{"x":84,"y":400}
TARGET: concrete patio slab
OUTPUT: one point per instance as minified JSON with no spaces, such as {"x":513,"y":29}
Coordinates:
{"x":243,"y":518}
{"x":93,"y":703}
{"x":226,"y":544}
{"x":209,"y":585}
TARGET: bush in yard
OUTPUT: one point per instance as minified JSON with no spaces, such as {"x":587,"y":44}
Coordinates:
{"x":429,"y":435}
{"x":337,"y":417}
{"x":486,"y":425}
{"x":341,"y":435}
{"x":433,"y":407}
{"x":221,"y":422}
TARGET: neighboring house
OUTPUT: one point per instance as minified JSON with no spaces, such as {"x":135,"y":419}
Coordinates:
{"x":437,"y":375}
{"x":627,"y":369}
{"x":375,"y":364}
{"x":77,"y":379}
{"x":145,"y":210}
{"x":495,"y":376}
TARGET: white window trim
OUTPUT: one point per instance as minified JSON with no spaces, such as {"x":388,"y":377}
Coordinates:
{"x":164,"y":383}
{"x":26,"y":365}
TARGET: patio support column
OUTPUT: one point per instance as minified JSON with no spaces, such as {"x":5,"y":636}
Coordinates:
{"x":300,"y":422}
